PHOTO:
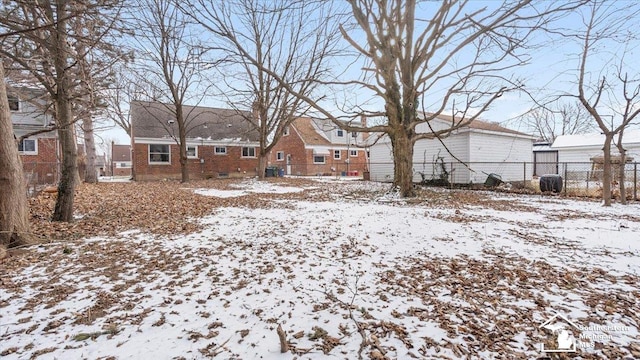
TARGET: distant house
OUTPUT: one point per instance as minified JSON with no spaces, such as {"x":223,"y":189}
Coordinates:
{"x":485,"y":147}
{"x":584,"y":148}
{"x":318,"y":147}
{"x":120,"y":160}
{"x":39,"y":152}
{"x":220,"y":142}
{"x":582,"y":156}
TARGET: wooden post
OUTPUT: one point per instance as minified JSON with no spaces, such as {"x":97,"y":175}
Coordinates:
{"x":524,"y":177}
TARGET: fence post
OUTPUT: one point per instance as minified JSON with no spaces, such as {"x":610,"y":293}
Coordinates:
{"x":635,"y":181}
{"x":524,"y":178}
{"x":565,"y":179}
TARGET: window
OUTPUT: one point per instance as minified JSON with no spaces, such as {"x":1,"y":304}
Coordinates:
{"x":14,"y":103}
{"x":336,"y":154}
{"x":286,"y":131}
{"x":220,"y":150}
{"x":248,"y":152}
{"x":159,"y":154}
{"x":354,"y":134}
{"x":353,"y":153}
{"x":340,"y":133}
{"x":192,"y":151}
{"x":28,"y":147}
{"x":318,"y":159}
{"x":280,"y":155}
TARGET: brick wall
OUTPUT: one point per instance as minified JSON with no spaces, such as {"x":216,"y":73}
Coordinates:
{"x":302,"y":159}
{"x":43,"y":167}
{"x":231,"y":164}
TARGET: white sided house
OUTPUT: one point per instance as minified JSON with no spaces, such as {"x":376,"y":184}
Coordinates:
{"x":585,"y":148}
{"x":487,"y":148}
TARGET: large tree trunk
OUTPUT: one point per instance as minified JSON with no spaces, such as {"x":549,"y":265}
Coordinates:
{"x":606,"y":171}
{"x":63,"y":210}
{"x":403,"y":163}
{"x":90,"y":175}
{"x":14,"y":210}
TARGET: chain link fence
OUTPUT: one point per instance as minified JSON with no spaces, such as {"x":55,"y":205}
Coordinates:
{"x":38,"y":175}
{"x":578,"y":178}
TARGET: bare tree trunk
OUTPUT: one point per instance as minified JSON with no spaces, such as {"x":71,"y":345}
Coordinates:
{"x":262,"y":163}
{"x":90,"y":175}
{"x":403,"y":164}
{"x":623,"y":163}
{"x":606,"y":171}
{"x":14,"y":210}
{"x":182,"y":135}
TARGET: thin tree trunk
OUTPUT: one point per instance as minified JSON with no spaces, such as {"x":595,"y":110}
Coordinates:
{"x":623,"y":162}
{"x":182,"y":137}
{"x":14,"y":210}
{"x":606,"y":171}
{"x":403,"y":164}
{"x":90,"y":175}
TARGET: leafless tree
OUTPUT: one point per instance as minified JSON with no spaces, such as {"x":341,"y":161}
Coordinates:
{"x":171,"y":59}
{"x":551,"y":121}
{"x":14,"y":208}
{"x":295,"y":39}
{"x":38,"y":41}
{"x":451,"y":57}
{"x":599,"y":90}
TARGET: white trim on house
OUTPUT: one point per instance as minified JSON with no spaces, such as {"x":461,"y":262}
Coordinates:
{"x":338,"y":153}
{"x":280,"y":156}
{"x":324,"y":159}
{"x":202,"y":142}
{"x":219,"y":147}
{"x":321,"y":151}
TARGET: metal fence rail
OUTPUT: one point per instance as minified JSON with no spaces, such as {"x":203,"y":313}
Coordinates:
{"x":579,"y":178}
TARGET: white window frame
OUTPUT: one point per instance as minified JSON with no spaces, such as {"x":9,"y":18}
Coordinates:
{"x":280,"y":156}
{"x":249,"y":149}
{"x":336,"y":152}
{"x":340,"y":133}
{"x":158,"y":162}
{"x":12,"y":98}
{"x":324,"y":159}
{"x":222,"y":152}
{"x":195,"y":156}
{"x":286,"y":131}
{"x":35,"y":147}
{"x":353,"y":153}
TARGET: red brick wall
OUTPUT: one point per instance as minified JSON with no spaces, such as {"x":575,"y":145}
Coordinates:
{"x":121,"y":171}
{"x":232,"y":164}
{"x":302,"y":159}
{"x":42,"y":168}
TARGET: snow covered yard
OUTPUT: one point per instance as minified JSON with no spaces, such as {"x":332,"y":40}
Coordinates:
{"x":345,"y":268}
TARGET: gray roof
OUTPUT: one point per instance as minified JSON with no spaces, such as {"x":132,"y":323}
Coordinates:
{"x":152,"y":120}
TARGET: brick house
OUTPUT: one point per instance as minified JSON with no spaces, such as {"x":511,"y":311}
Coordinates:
{"x":318,"y":147}
{"x":120,"y":160}
{"x":220,"y":142}
{"x":40,"y":152}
